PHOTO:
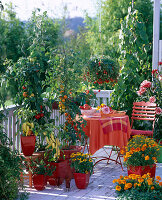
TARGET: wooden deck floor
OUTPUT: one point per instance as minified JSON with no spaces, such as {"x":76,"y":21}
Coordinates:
{"x":99,"y":188}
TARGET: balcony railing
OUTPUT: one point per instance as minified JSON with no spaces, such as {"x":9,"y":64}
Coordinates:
{"x":11,"y":127}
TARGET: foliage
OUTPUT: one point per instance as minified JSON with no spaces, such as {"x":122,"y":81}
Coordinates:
{"x":82,"y":163}
{"x":38,"y":166}
{"x":141,"y":151}
{"x":151,"y":91}
{"x":10,"y":168}
{"x":104,"y":38}
{"x":134,"y":46}
{"x":136,"y":187}
{"x":102,"y":72}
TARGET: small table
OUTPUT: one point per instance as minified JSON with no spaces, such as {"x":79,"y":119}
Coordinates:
{"x":27,"y":159}
{"x":113,"y":131}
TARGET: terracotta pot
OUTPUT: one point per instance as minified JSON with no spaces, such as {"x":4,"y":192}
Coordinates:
{"x":59,"y":174}
{"x":141,"y":170}
{"x":68,"y":152}
{"x":39,"y":181}
{"x":81,"y":180}
{"x":28,"y":144}
{"x":55,"y":105}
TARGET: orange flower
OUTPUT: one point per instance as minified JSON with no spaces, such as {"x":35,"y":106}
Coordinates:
{"x":147,"y":157}
{"x":128,"y":185}
{"x":140,"y":180}
{"x":135,"y":184}
{"x":152,"y":188}
{"x":160,"y":183}
{"x":149,"y":182}
{"x":126,"y":177}
{"x":114,"y":181}
{"x":118,"y":188}
{"x":139,"y":184}
{"x":121,"y":177}
{"x":158,"y":178}
{"x":154,"y":158}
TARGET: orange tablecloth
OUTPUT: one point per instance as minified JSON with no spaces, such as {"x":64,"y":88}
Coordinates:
{"x":113,"y":131}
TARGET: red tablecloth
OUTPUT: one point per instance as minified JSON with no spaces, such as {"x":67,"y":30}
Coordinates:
{"x":113,"y":131}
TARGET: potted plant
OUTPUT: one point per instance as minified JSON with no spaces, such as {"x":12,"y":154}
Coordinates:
{"x":137,"y":187}
{"x":52,"y":158}
{"x":83,"y":166}
{"x":141,"y":155}
{"x":40,"y":170}
{"x":27,"y":125}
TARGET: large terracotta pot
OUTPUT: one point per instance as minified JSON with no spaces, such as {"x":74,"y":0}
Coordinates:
{"x":67,"y":153}
{"x":59,"y":174}
{"x":28,"y":144}
{"x":81,"y":180}
{"x":39,"y":181}
{"x":141,"y":170}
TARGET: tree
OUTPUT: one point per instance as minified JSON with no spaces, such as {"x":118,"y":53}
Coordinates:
{"x":112,"y":12}
{"x":134,"y":47}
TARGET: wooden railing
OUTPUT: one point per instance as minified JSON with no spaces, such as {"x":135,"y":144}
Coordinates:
{"x":11,"y":127}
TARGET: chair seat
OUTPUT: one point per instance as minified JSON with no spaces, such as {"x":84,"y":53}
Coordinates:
{"x":141,"y":132}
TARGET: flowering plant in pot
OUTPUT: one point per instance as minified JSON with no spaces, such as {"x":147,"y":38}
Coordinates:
{"x":40,"y":170}
{"x":151,"y":91}
{"x":83,"y":166}
{"x":141,"y":155}
{"x":137,"y":187}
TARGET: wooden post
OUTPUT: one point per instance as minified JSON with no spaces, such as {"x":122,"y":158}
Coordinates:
{"x":156,"y":34}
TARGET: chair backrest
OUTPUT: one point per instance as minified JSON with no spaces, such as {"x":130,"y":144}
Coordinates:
{"x":143,"y":111}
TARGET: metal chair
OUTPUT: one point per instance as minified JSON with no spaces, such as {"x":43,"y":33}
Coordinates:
{"x":143,"y":111}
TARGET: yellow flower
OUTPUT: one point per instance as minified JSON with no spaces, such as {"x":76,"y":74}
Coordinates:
{"x":118,"y":188}
{"x":158,"y":178}
{"x":147,"y":157}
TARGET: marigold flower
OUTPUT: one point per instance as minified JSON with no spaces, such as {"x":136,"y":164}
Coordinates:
{"x":158,"y":178}
{"x":152,"y":188}
{"x":147,"y":157}
{"x":149,"y":182}
{"x":126,"y":177}
{"x":114,"y":181}
{"x":135,"y":184}
{"x":128,"y":185}
{"x":121,"y":177}
{"x":139,"y":184}
{"x":160,"y":183}
{"x":125,"y":188}
{"x":144,"y":176}
{"x":118,"y":188}
{"x":140,"y":180}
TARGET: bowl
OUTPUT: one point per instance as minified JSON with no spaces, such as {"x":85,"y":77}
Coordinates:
{"x":88,"y":112}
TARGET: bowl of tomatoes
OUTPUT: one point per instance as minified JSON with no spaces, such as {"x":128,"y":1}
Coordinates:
{"x":87,"y":110}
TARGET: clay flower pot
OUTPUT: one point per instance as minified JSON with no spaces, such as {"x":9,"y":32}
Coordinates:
{"x":59,"y":174}
{"x":39,"y":181}
{"x":81,"y":180}
{"x":141,"y":170}
{"x":28,"y":144}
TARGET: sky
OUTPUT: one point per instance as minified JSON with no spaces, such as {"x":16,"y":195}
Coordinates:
{"x":76,"y":8}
